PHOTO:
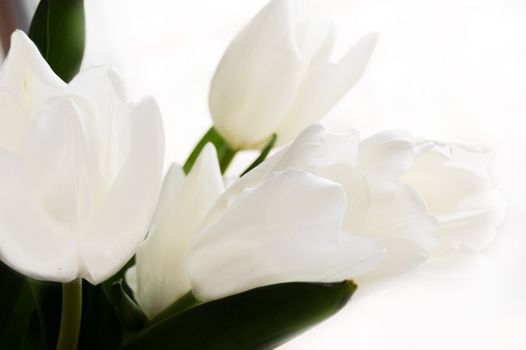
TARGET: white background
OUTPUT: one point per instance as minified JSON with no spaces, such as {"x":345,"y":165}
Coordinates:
{"x":450,"y":69}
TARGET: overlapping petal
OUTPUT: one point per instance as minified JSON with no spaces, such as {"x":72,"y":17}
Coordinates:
{"x":454,"y":182}
{"x":160,"y":273}
{"x":285,"y":229}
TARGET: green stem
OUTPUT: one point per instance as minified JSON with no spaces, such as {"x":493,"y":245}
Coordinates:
{"x":225,"y":158}
{"x":263,"y":155}
{"x":224,"y":152}
{"x":71,"y":315}
{"x":197,"y":150}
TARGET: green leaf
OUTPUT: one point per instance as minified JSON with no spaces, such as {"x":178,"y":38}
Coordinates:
{"x":58,"y":30}
{"x":261,"y":318}
{"x":225,"y":153}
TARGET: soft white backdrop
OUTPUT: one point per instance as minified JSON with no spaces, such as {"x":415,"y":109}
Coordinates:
{"x":450,"y":69}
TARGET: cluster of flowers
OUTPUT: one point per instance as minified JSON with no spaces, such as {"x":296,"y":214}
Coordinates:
{"x":81,"y":188}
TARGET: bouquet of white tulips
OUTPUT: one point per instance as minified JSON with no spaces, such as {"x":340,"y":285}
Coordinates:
{"x":99,"y":252}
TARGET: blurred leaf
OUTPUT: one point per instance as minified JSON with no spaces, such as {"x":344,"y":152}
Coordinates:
{"x":99,"y":327}
{"x":11,"y":285}
{"x":261,"y":318}
{"x":58,"y":30}
{"x":48,"y":300}
{"x":17,"y":308}
{"x":33,"y":338}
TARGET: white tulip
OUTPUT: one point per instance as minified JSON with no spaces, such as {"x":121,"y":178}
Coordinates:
{"x":284,"y":228}
{"x":276,"y":77}
{"x":379,"y":206}
{"x":453,"y":181}
{"x":418,"y":199}
{"x":160,"y":276}
{"x":81,"y":169}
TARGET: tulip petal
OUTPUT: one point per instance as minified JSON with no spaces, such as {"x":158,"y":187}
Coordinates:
{"x":454,"y":182}
{"x":386,"y":155}
{"x":100,"y":90}
{"x":397,"y":211}
{"x":434,"y":171}
{"x":286,"y":229}
{"x":257,"y":77}
{"x":123,"y":218}
{"x":146,"y":277}
{"x":14,"y":121}
{"x":473,"y":223}
{"x":315,"y":38}
{"x":60,"y":159}
{"x":323,"y":86}
{"x":354,"y":256}
{"x":312,"y":150}
{"x":357,"y":190}
{"x":26,"y":74}
{"x":30,"y":241}
{"x":399,"y":256}
{"x":184,"y":203}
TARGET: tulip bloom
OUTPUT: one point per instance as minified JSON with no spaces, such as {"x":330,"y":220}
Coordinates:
{"x":276,"y":77}
{"x":453,"y":181}
{"x":284,"y":228}
{"x":379,"y":205}
{"x":418,"y":199}
{"x":81,"y":169}
{"x":160,"y":276}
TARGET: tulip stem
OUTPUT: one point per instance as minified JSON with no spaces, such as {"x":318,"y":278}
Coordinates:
{"x":263,"y":155}
{"x":71,"y":315}
{"x":225,"y":158}
{"x":225,"y":153}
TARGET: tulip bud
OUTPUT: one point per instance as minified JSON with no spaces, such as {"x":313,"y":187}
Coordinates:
{"x":276,"y":77}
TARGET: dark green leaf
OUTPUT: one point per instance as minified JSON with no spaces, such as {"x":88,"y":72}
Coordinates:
{"x":261,"y":318}
{"x":58,"y":29}
{"x":38,"y":28}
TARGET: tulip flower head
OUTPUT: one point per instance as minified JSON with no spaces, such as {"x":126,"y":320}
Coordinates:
{"x":454,"y":182}
{"x":416,"y":198}
{"x":81,"y":169}
{"x":276,"y":75}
